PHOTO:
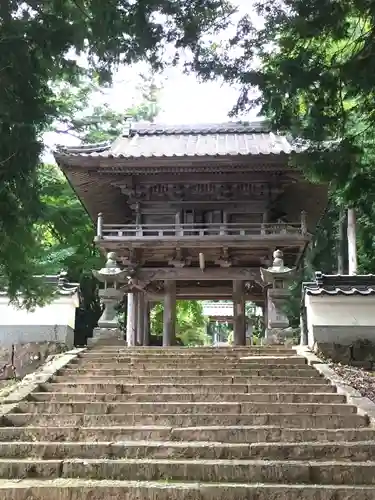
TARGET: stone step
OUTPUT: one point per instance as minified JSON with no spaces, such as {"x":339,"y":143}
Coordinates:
{"x":257,"y":357}
{"x":209,"y":350}
{"x":181,"y":372}
{"x":118,"y":388}
{"x":201,"y":358}
{"x":186,"y":363}
{"x":188,"y":353}
{"x":252,"y":434}
{"x":229,"y":434}
{"x":191,"y":380}
{"x":185,"y":396}
{"x":82,"y":489}
{"x":200,"y":450}
{"x":187,"y":424}
{"x":240,"y":471}
{"x":185,"y":407}
{"x":325,"y":421}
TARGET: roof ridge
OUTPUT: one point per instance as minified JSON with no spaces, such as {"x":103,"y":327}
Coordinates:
{"x":140,"y":128}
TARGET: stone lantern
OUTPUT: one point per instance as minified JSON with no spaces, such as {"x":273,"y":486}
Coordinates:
{"x":111,"y":275}
{"x":276,"y":278}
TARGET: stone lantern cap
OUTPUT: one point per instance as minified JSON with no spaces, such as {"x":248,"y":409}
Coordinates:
{"x":277,"y":270}
{"x":111,"y":272}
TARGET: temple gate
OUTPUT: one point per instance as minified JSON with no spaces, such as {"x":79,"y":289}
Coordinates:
{"x":193,"y":212}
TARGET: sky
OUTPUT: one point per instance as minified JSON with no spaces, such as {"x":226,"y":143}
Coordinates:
{"x":184,"y":99}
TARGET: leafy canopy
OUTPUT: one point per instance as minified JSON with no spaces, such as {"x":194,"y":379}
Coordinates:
{"x":39,"y":44}
{"x":308,"y":69}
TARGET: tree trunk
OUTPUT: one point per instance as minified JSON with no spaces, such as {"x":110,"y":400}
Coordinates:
{"x":341,"y":243}
{"x":352,"y":243}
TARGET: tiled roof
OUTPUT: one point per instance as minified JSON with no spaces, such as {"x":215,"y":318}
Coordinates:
{"x":336,"y":284}
{"x":154,"y":140}
{"x":59,"y":283}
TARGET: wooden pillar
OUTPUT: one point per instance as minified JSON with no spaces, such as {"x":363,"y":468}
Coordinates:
{"x":239,"y":323}
{"x":179,"y":230}
{"x":146,"y":328}
{"x":131,"y":332}
{"x":169,"y":318}
{"x":265,"y":316}
{"x":136,"y":301}
{"x":141,"y":318}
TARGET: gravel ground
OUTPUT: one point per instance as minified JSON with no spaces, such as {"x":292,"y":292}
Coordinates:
{"x":362,"y":380}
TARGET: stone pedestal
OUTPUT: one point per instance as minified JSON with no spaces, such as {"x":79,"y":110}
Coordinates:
{"x":111,"y":275}
{"x":276,"y":300}
{"x":276,"y":277}
{"x":107,"y":336}
{"x":110,"y":297}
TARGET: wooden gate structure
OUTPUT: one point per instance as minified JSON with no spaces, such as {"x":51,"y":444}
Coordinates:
{"x":193,"y":212}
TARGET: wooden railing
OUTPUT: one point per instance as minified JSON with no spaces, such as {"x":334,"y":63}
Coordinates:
{"x":133,"y":231}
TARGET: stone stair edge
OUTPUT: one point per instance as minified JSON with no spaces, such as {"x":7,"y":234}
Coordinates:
{"x":326,"y":420}
{"x":363,"y":404}
{"x":32,"y":381}
{"x":256,"y":471}
{"x":163,"y":485}
{"x":257,"y":461}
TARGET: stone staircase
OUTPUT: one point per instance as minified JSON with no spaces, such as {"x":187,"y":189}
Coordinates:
{"x":187,"y":424}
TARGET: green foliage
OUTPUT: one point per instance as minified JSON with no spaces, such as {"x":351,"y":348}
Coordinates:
{"x":78,"y":117}
{"x":310,"y":70}
{"x":64,"y":229}
{"x":39,"y":45}
{"x":190,"y":323}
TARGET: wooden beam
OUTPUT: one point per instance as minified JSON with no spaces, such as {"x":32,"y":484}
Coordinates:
{"x":195,"y":274}
{"x":203,"y":291}
{"x":217,"y":241}
{"x":251,"y":298}
{"x":194,"y":177}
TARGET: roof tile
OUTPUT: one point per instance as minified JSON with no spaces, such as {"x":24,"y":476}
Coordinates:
{"x":336,"y":284}
{"x":153,"y":140}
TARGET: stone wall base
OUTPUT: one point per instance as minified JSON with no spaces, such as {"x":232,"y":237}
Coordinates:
{"x":18,"y":360}
{"x":24,"y":334}
{"x":361,"y":353}
{"x":340,"y":334}
{"x":280,"y":336}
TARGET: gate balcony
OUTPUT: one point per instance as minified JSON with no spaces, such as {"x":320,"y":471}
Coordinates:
{"x":229,"y":234}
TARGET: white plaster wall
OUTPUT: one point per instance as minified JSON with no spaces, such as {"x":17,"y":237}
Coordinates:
{"x":340,"y":319}
{"x":53,"y":322}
